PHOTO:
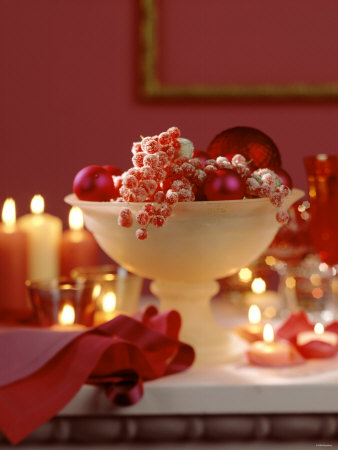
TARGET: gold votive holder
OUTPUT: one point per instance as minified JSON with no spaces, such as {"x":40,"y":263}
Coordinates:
{"x":62,"y":303}
{"x":115,"y":290}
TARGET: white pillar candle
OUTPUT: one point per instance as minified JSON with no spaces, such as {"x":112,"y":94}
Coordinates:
{"x":44,"y":234}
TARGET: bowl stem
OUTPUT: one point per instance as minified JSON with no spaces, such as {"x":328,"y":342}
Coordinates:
{"x":212,"y":344}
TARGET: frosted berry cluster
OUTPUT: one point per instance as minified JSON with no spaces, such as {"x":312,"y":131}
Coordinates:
{"x":165,"y":172}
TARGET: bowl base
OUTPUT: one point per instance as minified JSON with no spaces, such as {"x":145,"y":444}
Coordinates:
{"x":213,"y":345}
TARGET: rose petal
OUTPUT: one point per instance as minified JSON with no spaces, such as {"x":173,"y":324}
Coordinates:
{"x":333,"y":326}
{"x":294,"y":324}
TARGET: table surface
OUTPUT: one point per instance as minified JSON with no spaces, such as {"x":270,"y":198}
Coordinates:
{"x":235,"y":388}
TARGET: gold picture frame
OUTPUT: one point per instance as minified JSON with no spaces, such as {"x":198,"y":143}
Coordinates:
{"x":153,"y":89}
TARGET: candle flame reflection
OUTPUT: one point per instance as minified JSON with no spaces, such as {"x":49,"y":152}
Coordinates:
{"x":268,"y":334}
{"x":37,"y":204}
{"x":67,"y":315}
{"x":254,"y":314}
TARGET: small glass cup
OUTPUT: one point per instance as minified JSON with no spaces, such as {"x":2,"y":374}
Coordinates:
{"x":115,"y":289}
{"x":62,"y":303}
{"x":311,"y":286}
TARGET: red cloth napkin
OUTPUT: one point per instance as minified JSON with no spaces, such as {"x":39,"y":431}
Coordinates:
{"x":42,"y":370}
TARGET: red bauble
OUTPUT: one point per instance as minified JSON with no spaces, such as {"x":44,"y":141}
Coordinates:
{"x":253,"y":144}
{"x":284,"y":176}
{"x":113,"y":170}
{"x":94,"y":183}
{"x":224,"y":185}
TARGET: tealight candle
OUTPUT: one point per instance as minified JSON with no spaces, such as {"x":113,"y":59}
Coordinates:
{"x":108,"y":309}
{"x":318,"y":334}
{"x":78,"y":246}
{"x":44,"y":234}
{"x":317,"y":343}
{"x":272,"y":354}
{"x":66,"y":319}
{"x":253,"y":331}
{"x":13,"y":262}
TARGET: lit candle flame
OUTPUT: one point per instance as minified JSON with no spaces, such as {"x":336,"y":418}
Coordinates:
{"x":37,"y":204}
{"x":75,"y":218}
{"x":245,"y":275}
{"x":109,"y":302}
{"x":268,"y":334}
{"x":67,"y":315}
{"x":8,"y":213}
{"x":319,"y":328}
{"x":258,"y":286}
{"x":254,"y":314}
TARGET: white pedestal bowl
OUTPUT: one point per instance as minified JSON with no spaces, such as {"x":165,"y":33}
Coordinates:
{"x":200,"y":243}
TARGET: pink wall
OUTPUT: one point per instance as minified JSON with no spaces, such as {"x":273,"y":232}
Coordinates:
{"x":67,"y":99}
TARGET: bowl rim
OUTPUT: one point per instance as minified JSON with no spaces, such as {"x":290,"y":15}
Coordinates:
{"x":71,"y":199}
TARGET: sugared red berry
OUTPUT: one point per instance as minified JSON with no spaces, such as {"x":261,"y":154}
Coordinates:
{"x":142,"y":218}
{"x":158,"y":220}
{"x":174,"y":132}
{"x":238,"y":159}
{"x":159,"y":197}
{"x":282,"y":217}
{"x":125,"y":218}
{"x":149,"y":209}
{"x":165,"y":210}
{"x":276,"y":199}
{"x":164,"y":138}
{"x":138,"y":159}
{"x":130,"y":181}
{"x":171,"y":197}
{"x":141,"y":234}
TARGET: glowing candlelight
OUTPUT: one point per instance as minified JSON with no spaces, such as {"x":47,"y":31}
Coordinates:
{"x":8,"y":215}
{"x":258,"y":286}
{"x":268,"y":334}
{"x":75,"y":219}
{"x":37,"y":204}
{"x":254,"y":314}
{"x":109,"y":302}
{"x":66,"y":315}
{"x":252,"y":331}
{"x":108,"y":309}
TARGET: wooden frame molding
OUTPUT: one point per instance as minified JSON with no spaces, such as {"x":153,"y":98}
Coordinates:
{"x":152,"y":88}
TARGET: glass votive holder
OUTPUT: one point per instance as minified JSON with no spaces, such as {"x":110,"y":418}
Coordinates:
{"x":311,"y":286}
{"x":115,"y":290}
{"x":62,"y":303}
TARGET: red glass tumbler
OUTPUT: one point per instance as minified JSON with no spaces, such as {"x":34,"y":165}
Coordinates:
{"x":322,"y":175}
